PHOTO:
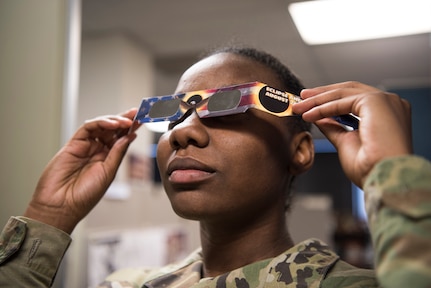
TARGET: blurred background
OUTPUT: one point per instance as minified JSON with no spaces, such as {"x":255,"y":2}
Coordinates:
{"x":65,"y":61}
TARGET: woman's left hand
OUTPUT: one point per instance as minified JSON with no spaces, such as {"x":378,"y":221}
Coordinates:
{"x":384,"y":130}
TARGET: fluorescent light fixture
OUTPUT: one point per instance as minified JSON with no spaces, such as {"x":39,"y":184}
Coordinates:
{"x":332,"y":21}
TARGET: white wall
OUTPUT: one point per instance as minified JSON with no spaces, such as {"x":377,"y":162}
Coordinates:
{"x":32,"y":39}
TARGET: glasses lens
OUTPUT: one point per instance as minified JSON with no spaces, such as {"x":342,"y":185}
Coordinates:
{"x":224,"y":100}
{"x":164,"y":108}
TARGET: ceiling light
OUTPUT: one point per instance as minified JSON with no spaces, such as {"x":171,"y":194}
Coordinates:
{"x":332,"y":21}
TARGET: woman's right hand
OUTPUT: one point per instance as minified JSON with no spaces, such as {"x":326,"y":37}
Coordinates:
{"x":79,"y":174}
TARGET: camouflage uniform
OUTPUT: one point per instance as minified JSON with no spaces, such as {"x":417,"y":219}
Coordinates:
{"x":398,"y":199}
{"x":308,"y":264}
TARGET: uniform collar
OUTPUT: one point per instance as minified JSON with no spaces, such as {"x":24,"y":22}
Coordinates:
{"x":305,"y":264}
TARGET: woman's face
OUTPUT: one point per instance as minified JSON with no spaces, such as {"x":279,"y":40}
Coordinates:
{"x":228,"y":167}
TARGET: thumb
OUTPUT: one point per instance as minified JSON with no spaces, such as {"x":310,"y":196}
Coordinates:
{"x":347,"y":144}
{"x":116,"y":155}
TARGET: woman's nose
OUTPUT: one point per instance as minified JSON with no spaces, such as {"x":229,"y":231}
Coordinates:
{"x":190,"y":131}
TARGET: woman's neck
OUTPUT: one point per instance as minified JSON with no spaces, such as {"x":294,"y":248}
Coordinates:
{"x":227,"y":247}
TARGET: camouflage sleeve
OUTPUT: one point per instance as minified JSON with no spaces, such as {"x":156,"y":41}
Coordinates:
{"x":30,"y":253}
{"x":398,"y":203}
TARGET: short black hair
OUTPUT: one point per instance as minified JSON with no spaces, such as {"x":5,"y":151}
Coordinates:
{"x":287,"y":78}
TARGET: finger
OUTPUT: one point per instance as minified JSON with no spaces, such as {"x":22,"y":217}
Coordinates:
{"x":346,"y":143}
{"x":323,"y":94}
{"x":325,"y":97}
{"x":124,"y":127}
{"x":123,"y":118}
{"x":94,"y":128}
{"x":337,"y":135}
{"x":135,"y":126}
{"x":117,"y":152}
{"x":310,"y":92}
{"x":322,"y":109}
{"x":110,"y":138}
{"x":130,"y":113}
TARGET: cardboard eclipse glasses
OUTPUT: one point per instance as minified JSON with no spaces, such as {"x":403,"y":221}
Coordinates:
{"x":224,"y":101}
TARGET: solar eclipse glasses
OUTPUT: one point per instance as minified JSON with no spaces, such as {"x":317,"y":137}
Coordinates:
{"x":224,"y":101}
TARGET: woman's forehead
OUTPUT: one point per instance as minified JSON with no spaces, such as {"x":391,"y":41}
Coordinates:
{"x":224,"y":69}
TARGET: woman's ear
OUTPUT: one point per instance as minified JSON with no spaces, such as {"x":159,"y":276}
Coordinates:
{"x":302,"y":148}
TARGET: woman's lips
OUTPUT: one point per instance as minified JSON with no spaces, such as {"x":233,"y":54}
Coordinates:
{"x":188,"y":170}
{"x":188,"y":176}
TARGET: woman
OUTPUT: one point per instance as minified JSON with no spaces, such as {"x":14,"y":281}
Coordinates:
{"x":231,"y":173}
